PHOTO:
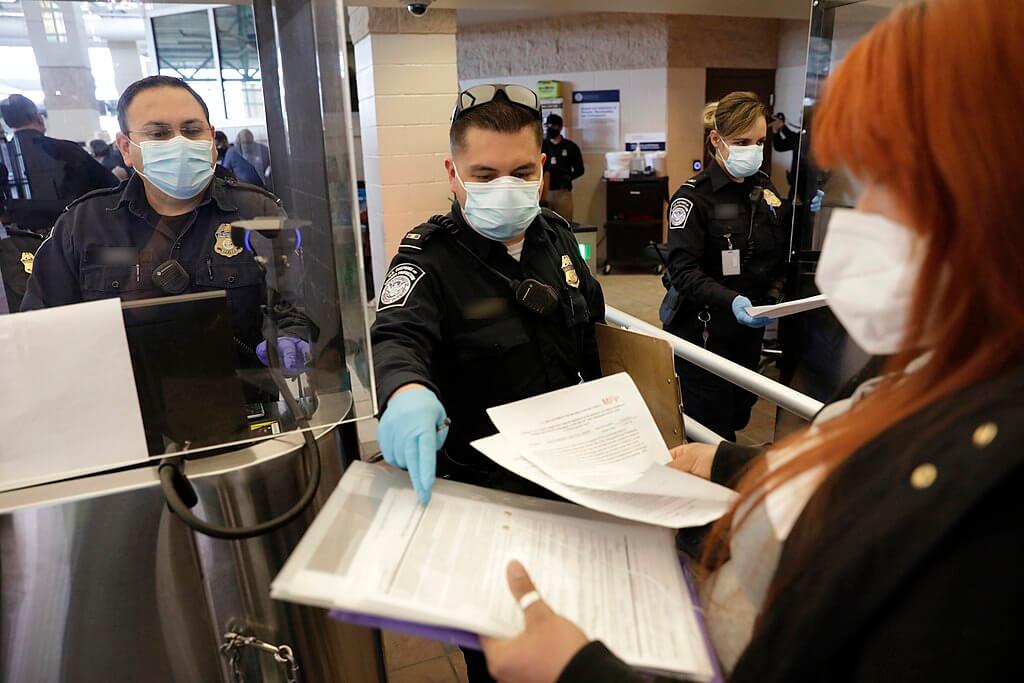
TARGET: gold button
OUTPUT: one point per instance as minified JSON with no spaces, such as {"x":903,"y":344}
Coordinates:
{"x":985,"y":434}
{"x":924,"y":476}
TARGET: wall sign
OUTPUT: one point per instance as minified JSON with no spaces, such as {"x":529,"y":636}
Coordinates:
{"x":597,"y":120}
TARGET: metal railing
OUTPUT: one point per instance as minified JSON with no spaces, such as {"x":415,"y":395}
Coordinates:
{"x":790,"y":399}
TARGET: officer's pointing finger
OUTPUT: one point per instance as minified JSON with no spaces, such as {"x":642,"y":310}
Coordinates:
{"x":412,"y":462}
{"x":427,"y":465}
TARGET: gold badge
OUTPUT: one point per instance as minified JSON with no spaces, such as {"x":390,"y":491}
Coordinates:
{"x":27,"y":258}
{"x":571,"y":278}
{"x":223,"y":245}
{"x":771,"y":200}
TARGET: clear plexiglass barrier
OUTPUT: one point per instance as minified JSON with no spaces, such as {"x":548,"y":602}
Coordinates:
{"x":175,"y":305}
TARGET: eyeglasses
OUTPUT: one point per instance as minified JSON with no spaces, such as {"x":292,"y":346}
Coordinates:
{"x":167,"y":132}
{"x":482,"y":94}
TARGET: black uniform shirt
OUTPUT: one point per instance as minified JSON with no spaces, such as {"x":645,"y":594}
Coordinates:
{"x":445,"y":321}
{"x":710,"y":214}
{"x":109,"y":242}
{"x":564,"y":163}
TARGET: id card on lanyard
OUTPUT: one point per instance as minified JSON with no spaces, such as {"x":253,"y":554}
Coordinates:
{"x":731,"y":262}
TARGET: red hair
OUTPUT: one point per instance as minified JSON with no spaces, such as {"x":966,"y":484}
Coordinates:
{"x":923,"y":106}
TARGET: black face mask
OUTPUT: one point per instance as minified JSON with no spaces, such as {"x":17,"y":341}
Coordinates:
{"x":554,"y":133}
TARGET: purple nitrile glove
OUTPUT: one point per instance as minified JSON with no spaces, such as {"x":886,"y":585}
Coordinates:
{"x":291,"y":350}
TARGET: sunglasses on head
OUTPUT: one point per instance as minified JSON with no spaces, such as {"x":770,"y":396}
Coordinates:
{"x":482,"y":94}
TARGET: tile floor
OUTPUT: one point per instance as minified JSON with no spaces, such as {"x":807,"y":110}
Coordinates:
{"x":414,"y":660}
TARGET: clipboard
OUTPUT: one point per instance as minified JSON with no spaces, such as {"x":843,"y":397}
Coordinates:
{"x":651,"y":364}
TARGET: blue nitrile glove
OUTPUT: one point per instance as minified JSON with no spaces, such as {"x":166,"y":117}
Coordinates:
{"x":412,"y":431}
{"x":739,"y":309}
{"x":291,"y":350}
{"x":815,"y":204}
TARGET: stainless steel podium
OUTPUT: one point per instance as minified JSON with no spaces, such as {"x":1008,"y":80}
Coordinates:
{"x":100,"y":582}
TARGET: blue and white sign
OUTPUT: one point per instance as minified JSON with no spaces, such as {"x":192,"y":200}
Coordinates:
{"x":597,"y":119}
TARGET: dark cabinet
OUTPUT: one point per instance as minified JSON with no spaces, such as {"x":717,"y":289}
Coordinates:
{"x":635,"y":210}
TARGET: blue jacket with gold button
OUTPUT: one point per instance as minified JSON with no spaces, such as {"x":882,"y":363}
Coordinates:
{"x":108,"y":243}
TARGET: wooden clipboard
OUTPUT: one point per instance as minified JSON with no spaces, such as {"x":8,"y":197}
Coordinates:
{"x":651,"y":364}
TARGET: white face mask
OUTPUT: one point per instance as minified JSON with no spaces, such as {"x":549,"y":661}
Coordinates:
{"x":744,"y":160}
{"x":503,"y":208}
{"x":868,"y":268}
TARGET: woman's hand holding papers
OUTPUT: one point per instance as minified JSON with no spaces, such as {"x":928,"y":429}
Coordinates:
{"x":693,"y":458}
{"x":545,"y":647}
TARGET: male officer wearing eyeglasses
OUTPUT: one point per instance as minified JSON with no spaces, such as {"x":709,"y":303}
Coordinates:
{"x":489,"y":304}
{"x":172,"y":216}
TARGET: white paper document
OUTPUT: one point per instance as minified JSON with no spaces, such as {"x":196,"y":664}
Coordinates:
{"x":667,"y":497}
{"x":68,"y":404}
{"x":788,"y":307}
{"x":597,"y":444}
{"x":598,"y":434}
{"x":375,"y":550}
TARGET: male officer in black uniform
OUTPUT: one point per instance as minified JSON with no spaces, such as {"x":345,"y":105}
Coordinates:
{"x":165,"y":230}
{"x":489,"y":304}
{"x":563,"y":164}
{"x":727,"y":242}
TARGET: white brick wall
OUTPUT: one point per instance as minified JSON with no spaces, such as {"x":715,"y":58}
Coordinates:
{"x":407,"y":87}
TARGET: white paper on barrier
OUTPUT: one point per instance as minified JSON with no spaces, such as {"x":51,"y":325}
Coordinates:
{"x":671,"y":498}
{"x":68,"y":404}
{"x":598,"y":434}
{"x":788,"y":307}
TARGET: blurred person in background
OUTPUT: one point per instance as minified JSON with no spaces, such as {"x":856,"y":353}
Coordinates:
{"x":109,"y":157}
{"x":256,"y":153}
{"x":57,"y":169}
{"x":231,"y":159}
{"x":563,"y":165}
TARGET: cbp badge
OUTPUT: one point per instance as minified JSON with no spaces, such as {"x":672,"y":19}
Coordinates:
{"x":571,"y":278}
{"x":223,"y":244}
{"x":771,"y":200}
{"x":27,"y":259}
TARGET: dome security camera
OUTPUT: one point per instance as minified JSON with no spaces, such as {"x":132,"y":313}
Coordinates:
{"x":418,"y":9}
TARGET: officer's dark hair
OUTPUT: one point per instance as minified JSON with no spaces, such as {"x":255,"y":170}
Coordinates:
{"x":499,"y":115}
{"x":148,"y":83}
{"x":220,"y":136}
{"x":555,"y":120}
{"x":18,"y":111}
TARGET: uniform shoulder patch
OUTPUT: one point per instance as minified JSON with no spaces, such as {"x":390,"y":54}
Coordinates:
{"x":398,"y":285}
{"x":678,"y":212}
{"x":415,"y":239}
{"x":100,"y":192}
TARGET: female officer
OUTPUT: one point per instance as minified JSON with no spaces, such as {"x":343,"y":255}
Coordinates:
{"x":726,"y":252}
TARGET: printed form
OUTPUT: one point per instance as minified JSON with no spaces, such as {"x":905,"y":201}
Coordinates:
{"x":444,"y":564}
{"x":597,"y":444}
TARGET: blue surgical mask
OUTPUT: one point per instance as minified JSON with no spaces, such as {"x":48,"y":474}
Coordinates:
{"x":503,"y":208}
{"x":744,"y":160}
{"x":180,"y":168}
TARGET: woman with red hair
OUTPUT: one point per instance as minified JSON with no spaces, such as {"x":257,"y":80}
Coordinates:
{"x":883,"y":542}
